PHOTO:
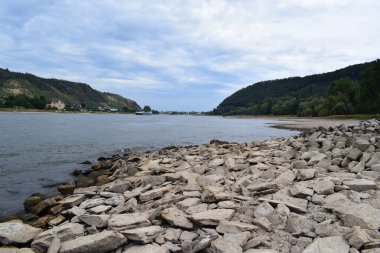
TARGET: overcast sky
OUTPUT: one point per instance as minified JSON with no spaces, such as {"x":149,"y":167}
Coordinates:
{"x":185,"y":55}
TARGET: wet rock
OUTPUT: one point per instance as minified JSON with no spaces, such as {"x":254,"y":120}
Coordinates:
{"x":98,"y":243}
{"x":31,"y":201}
{"x":66,"y":188}
{"x":16,"y":232}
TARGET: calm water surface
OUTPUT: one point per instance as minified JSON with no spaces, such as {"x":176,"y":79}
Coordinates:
{"x":38,"y":150}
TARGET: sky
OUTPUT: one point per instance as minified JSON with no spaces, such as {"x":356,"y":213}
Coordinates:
{"x":185,"y":55}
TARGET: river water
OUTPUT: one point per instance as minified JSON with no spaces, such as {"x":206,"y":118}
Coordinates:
{"x":39,"y":150}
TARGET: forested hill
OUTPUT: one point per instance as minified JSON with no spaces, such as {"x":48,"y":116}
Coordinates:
{"x":310,"y":95}
{"x":27,"y":87}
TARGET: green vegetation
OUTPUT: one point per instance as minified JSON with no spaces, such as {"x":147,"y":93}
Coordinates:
{"x":37,"y":102}
{"x":147,"y":108}
{"x":352,"y":90}
{"x":22,"y":88}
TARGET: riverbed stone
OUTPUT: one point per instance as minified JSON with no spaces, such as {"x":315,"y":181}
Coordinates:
{"x":16,"y":232}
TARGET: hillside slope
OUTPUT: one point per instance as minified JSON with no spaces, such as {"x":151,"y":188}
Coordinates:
{"x":299,"y":88}
{"x":71,"y":93}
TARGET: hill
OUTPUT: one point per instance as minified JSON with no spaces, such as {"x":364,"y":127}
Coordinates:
{"x":285,"y":96}
{"x":73,"y":94}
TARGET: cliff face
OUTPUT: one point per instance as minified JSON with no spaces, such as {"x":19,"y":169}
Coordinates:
{"x":72,"y":93}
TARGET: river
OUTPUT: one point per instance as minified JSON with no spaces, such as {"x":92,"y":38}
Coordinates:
{"x":39,"y":150}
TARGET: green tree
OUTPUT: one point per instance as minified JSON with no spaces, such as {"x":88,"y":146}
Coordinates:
{"x":147,"y":108}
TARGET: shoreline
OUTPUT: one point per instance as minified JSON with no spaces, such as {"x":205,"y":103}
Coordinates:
{"x":283,"y":191}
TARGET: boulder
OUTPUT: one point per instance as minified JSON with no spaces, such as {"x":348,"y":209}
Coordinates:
{"x":16,"y":232}
{"x":176,"y":218}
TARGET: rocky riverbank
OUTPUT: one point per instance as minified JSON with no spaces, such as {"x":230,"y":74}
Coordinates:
{"x":314,"y":193}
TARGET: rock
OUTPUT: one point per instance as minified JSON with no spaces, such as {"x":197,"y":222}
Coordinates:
{"x":212,"y":217}
{"x":294,"y":204}
{"x":262,"y":251}
{"x":176,"y":218}
{"x":299,"y":224}
{"x":360,"y":184}
{"x":115,"y":201}
{"x":354,"y":154}
{"x":259,"y":188}
{"x":98,"y":221}
{"x":188,"y":202}
{"x":16,"y":232}
{"x":90,"y":203}
{"x":100,"y":209}
{"x":324,"y":187}
{"x":357,"y":237}
{"x":144,"y":234}
{"x":66,"y":188}
{"x":154,"y":194}
{"x":63,"y":232}
{"x":98,"y":243}
{"x":240,"y":239}
{"x":72,"y":200}
{"x":54,"y":246}
{"x":149,"y":248}
{"x":263,"y":210}
{"x":172,"y":235}
{"x":299,"y":165}
{"x":316,"y":159}
{"x":120,"y":187}
{"x":300,"y":191}
{"x":43,"y":206}
{"x":306,"y":174}
{"x":234,"y":227}
{"x":285,"y":179}
{"x":225,"y":246}
{"x":31,"y":201}
{"x":217,"y":162}
{"x":334,"y":244}
{"x":199,"y":244}
{"x":128,"y":221}
{"x":376,"y":167}
{"x":264,"y":223}
{"x":188,"y":236}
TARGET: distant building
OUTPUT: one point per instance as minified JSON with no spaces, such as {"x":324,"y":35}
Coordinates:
{"x":55,"y":103}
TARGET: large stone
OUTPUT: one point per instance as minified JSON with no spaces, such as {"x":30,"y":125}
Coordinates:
{"x":294,"y":204}
{"x":128,"y":221}
{"x":375,"y":159}
{"x":199,"y":244}
{"x":354,"y":154}
{"x":225,"y":246}
{"x":119,"y":187}
{"x":98,"y":243}
{"x":144,"y":234}
{"x":98,"y":221}
{"x":154,"y":194}
{"x":72,"y":200}
{"x":353,"y":214}
{"x":31,"y":201}
{"x":212,"y":217}
{"x":90,"y":203}
{"x":299,"y":224}
{"x":334,"y":244}
{"x":149,"y":248}
{"x":360,"y":184}
{"x":16,"y":232}
{"x":234,"y":227}
{"x":64,"y":232}
{"x":176,"y":218}
{"x":301,"y":191}
{"x":324,"y":187}
{"x":285,"y":179}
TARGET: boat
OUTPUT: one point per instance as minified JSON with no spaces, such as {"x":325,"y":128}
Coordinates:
{"x":143,"y":113}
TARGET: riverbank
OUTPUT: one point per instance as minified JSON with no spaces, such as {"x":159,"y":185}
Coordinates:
{"x":311,"y":193}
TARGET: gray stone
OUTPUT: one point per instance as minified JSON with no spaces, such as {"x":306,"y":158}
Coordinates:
{"x":299,"y":224}
{"x":324,"y":187}
{"x":98,"y":221}
{"x":90,"y":203}
{"x":285,"y":179}
{"x":186,"y":203}
{"x":300,"y":164}
{"x":63,"y":232}
{"x":149,"y":248}
{"x":188,"y":236}
{"x":120,"y":187}
{"x":98,"y":243}
{"x":16,"y":232}
{"x":306,"y":174}
{"x":212,"y":217}
{"x":100,"y":209}
{"x":334,"y":244}
{"x":54,"y":246}
{"x":354,"y":154}
{"x":225,"y":246}
{"x":262,"y":251}
{"x":376,"y":167}
{"x":72,"y":200}
{"x":128,"y":221}
{"x":234,"y":227}
{"x":144,"y":234}
{"x":115,"y":201}
{"x":360,"y":184}
{"x":176,"y":218}
{"x":264,"y":223}
{"x":300,"y":191}
{"x":154,"y":194}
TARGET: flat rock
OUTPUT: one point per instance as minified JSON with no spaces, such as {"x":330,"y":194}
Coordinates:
{"x":213,"y":217}
{"x":334,"y":244}
{"x":143,"y":235}
{"x":63,"y":232}
{"x":324,"y":187}
{"x":128,"y":221}
{"x":294,"y":204}
{"x":98,"y":243}
{"x":98,"y":221}
{"x":225,"y":246}
{"x":73,"y":200}
{"x":262,"y":251}
{"x":154,"y":194}
{"x":149,"y":248}
{"x":234,"y":227}
{"x":176,"y":218}
{"x":16,"y":232}
{"x":199,"y":244}
{"x":360,"y":184}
